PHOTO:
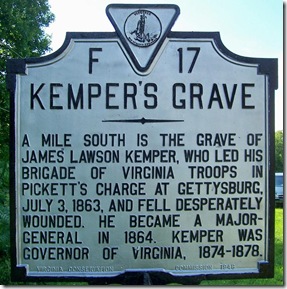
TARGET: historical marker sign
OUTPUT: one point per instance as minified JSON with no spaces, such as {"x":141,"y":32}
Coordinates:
{"x":143,"y":150}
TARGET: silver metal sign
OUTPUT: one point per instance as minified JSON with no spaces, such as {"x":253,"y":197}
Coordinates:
{"x":143,"y":150}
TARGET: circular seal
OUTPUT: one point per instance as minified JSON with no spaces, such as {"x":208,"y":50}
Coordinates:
{"x":142,"y":28}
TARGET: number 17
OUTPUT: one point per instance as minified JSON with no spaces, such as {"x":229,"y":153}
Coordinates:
{"x":180,"y":58}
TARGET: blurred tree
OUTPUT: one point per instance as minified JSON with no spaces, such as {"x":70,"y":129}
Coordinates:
{"x":22,"y":34}
{"x":279,"y":151}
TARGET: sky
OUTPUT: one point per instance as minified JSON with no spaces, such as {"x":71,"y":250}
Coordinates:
{"x":252,"y":28}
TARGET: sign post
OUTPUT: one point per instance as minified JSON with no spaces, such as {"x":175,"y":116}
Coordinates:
{"x":142,"y":151}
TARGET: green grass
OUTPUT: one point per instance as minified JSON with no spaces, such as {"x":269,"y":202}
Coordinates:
{"x":277,"y":280}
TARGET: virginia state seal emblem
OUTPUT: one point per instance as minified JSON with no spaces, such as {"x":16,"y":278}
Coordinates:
{"x":142,"y":28}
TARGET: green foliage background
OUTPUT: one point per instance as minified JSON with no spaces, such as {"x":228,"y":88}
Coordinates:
{"x":279,"y":151}
{"x":22,"y":35}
